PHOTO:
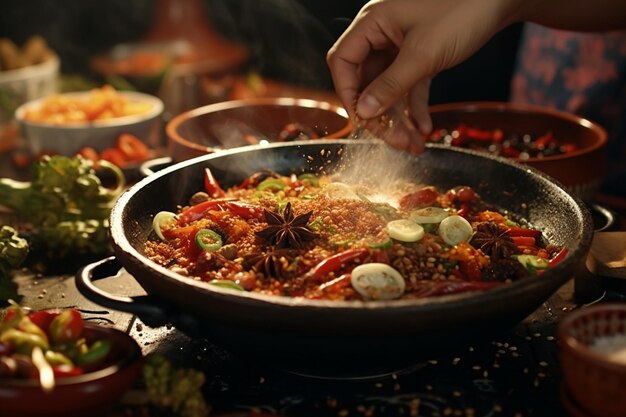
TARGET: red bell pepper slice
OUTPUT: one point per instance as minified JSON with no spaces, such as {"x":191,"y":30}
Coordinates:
{"x":247,"y":211}
{"x":338,"y":261}
{"x":43,"y":318}
{"x":523,"y":240}
{"x":426,"y":196}
{"x":557,"y":258}
{"x":211,"y":186}
{"x":523,"y":231}
{"x":432,"y":288}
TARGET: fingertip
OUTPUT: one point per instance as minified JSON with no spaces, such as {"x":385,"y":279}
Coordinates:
{"x":368,"y":107}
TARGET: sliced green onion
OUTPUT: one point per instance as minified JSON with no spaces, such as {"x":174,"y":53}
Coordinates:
{"x":223,"y":283}
{"x":455,"y":229}
{"x":162,"y":220}
{"x":208,"y":240}
{"x":532,"y":262}
{"x":428,"y":215}
{"x":377,"y":281}
{"x":405,"y":230}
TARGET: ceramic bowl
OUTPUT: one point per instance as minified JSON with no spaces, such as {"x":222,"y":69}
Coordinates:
{"x":244,"y":122}
{"x":82,"y":395}
{"x":68,"y":139}
{"x":580,"y":172}
{"x":594,"y":373}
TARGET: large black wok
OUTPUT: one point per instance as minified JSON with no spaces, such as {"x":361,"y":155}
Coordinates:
{"x":339,"y":338}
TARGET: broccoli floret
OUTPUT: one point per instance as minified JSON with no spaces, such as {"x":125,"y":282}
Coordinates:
{"x":65,"y":203}
{"x":13,"y":251}
{"x":175,"y":388}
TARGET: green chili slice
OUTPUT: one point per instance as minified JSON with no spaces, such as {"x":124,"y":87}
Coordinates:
{"x":384,"y":245}
{"x":309,"y":178}
{"x":223,"y":283}
{"x":271,"y":184}
{"x":208,"y":240}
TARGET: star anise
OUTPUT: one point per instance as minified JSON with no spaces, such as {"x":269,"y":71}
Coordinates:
{"x":272,"y":263}
{"x":492,"y":241}
{"x":286,"y":230}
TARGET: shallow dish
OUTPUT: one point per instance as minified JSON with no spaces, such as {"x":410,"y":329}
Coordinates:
{"x":82,"y":395}
{"x":594,"y":377}
{"x":580,"y":171}
{"x":69,"y":138}
{"x":236,"y":123}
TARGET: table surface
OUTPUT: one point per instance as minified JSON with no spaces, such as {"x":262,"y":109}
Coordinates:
{"x":516,"y":373}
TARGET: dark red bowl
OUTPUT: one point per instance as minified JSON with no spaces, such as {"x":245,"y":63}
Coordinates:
{"x":82,"y":395}
{"x":223,"y":125}
{"x":580,"y":172}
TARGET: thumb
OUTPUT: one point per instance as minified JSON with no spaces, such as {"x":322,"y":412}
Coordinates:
{"x":391,"y":85}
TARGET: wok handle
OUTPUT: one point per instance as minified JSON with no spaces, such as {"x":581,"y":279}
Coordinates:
{"x":608,"y":218}
{"x":153,"y":165}
{"x":149,"y":310}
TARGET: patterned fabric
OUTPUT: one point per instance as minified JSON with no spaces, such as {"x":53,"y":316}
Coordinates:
{"x":583,"y":73}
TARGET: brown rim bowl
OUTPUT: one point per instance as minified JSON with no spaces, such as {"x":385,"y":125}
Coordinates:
{"x":580,"y":172}
{"x":593,"y":381}
{"x":234,"y":123}
{"x":80,"y":395}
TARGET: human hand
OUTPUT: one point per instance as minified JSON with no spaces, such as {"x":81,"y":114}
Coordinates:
{"x":388,"y":55}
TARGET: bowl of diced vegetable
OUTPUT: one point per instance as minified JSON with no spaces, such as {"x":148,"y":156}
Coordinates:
{"x":102,"y":123}
{"x":565,"y":146}
{"x":53,"y":363}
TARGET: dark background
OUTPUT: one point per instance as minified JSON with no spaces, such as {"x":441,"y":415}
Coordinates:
{"x":288,"y":38}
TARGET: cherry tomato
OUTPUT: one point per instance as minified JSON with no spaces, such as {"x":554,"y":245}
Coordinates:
{"x":462,"y":194}
{"x":113,"y":155}
{"x":132,"y":147}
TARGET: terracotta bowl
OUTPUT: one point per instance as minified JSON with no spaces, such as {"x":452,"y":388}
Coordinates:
{"x":594,"y":378}
{"x":244,"y":122}
{"x":82,"y":395}
{"x":580,"y":172}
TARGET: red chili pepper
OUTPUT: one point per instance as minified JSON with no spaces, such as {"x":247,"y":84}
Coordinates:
{"x":464,"y":210}
{"x":247,"y":211}
{"x":211,"y":186}
{"x":523,"y":231}
{"x":543,"y":141}
{"x":510,"y":152}
{"x":66,"y":327}
{"x":421,"y":198}
{"x":432,"y":288}
{"x":557,"y":258}
{"x":523,"y":240}
{"x":338,"y":261}
{"x":479,"y":134}
{"x":380,"y":256}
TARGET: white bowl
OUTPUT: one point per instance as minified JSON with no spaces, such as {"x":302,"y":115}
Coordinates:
{"x":24,"y":84}
{"x":67,"y":139}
